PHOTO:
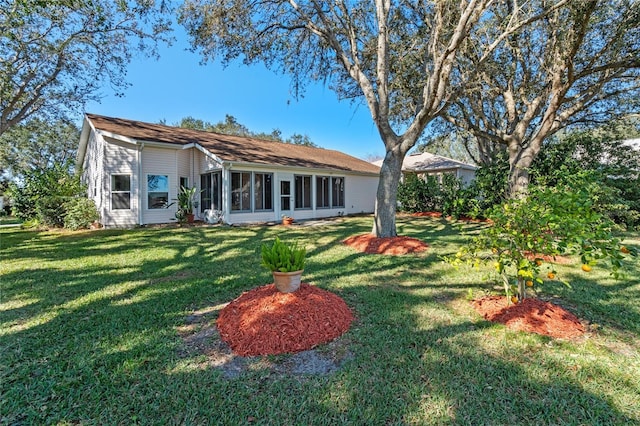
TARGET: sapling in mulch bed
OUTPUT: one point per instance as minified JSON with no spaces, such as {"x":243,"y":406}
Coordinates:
{"x":545,"y":223}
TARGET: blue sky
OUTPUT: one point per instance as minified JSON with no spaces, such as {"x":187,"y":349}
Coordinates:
{"x":177,"y":86}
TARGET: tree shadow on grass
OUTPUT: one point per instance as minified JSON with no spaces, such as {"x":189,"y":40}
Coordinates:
{"x":110,"y":349}
{"x":404,"y":369}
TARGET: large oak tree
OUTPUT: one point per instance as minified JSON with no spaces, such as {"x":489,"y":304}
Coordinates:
{"x":56,"y":55}
{"x":397,"y":57}
{"x":579,"y":66}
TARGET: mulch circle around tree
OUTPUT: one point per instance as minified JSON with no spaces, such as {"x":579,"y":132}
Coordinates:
{"x":530,"y":315}
{"x":370,"y":244}
{"x":264,"y":321}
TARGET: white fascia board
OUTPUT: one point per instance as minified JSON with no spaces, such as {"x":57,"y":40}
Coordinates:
{"x":117,"y":137}
{"x":301,"y":170}
{"x":207,"y":153}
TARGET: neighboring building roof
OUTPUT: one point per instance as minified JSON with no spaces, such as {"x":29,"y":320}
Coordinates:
{"x":236,"y":149}
{"x":425,"y":161}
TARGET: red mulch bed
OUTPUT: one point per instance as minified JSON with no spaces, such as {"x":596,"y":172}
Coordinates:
{"x":370,"y":244}
{"x":560,"y":260}
{"x":530,"y":315}
{"x":427,"y":214}
{"x":264,"y":321}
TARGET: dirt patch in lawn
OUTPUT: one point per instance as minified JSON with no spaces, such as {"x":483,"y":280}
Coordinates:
{"x":531,"y":315}
{"x":371,"y":244}
{"x":216,"y":337}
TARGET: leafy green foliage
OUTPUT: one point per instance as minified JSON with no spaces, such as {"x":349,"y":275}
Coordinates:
{"x":548,"y":222}
{"x":80,"y":213}
{"x":231,"y":126}
{"x":37,"y":144}
{"x":426,"y":194}
{"x":615,"y":168}
{"x":283,"y":257}
{"x":39,"y":185}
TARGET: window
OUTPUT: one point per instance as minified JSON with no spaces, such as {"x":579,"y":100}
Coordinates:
{"x":322,"y":192}
{"x":184,"y":182}
{"x":120,"y":192}
{"x":240,"y":191}
{"x":262,"y":191}
{"x":157,"y":191}
{"x":303,"y":192}
{"x":337,"y":192}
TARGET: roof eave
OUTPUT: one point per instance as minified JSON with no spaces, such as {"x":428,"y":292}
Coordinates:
{"x":246,"y":164}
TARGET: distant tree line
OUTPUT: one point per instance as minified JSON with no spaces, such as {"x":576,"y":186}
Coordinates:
{"x":231,"y":126}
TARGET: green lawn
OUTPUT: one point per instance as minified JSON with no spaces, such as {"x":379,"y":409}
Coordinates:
{"x":90,"y":320}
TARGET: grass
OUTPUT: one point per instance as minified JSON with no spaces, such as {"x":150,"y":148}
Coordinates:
{"x":89,"y":319}
{"x":9,"y":220}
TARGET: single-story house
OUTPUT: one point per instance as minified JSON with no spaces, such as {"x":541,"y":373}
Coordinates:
{"x":431,"y":164}
{"x":134,"y":171}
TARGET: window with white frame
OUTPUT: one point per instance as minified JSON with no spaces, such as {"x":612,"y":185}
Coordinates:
{"x":120,"y":192}
{"x":157,"y":191}
{"x":302,"y":184}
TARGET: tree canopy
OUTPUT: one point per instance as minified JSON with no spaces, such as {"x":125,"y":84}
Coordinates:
{"x":580,"y":66}
{"x":397,"y":58}
{"x":231,"y":126}
{"x":56,"y":55}
{"x":37,"y":145}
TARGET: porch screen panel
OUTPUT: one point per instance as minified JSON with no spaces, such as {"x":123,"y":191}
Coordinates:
{"x":240,"y":191}
{"x":303,"y":192}
{"x":337,"y":192}
{"x":322,"y":192}
{"x":263,"y":191}
{"x":205,"y":195}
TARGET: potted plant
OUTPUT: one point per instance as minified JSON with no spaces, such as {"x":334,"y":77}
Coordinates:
{"x":287,"y":220}
{"x":186,"y":200}
{"x":286,"y":262}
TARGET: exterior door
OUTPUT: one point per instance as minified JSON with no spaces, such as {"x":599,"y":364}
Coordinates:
{"x":285,"y":197}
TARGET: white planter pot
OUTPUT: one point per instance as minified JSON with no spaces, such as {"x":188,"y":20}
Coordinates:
{"x":287,"y":282}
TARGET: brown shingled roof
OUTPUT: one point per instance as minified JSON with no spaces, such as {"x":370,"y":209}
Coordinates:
{"x":236,"y":149}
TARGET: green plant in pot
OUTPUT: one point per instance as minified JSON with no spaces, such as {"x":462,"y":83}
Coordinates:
{"x":186,"y":199}
{"x":286,"y":262}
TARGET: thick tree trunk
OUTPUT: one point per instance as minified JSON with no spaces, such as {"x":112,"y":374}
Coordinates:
{"x":384,"y":222}
{"x":519,"y":162}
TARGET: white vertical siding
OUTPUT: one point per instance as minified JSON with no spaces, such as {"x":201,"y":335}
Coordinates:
{"x":119,"y":158}
{"x":92,"y":172}
{"x":360,"y":194}
{"x":159,"y":161}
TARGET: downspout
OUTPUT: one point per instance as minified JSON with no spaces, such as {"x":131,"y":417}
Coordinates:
{"x":139,"y":197}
